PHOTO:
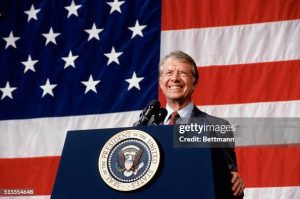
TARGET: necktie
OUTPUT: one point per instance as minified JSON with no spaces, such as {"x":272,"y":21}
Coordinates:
{"x":173,"y":118}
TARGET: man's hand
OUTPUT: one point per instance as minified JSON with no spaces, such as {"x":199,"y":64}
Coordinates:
{"x":237,"y":184}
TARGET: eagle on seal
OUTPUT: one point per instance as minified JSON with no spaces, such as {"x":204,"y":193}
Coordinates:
{"x":129,"y":159}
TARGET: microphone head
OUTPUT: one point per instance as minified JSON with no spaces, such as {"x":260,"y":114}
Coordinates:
{"x":154,"y":104}
{"x":152,"y":108}
{"x":160,"y":116}
{"x":148,"y":112}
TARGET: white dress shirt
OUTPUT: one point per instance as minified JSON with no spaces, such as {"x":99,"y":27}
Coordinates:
{"x":184,"y":113}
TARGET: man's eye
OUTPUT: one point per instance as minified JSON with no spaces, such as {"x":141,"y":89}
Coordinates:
{"x":169,"y":73}
{"x":182,"y":73}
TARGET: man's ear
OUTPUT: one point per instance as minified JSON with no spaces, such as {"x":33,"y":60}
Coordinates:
{"x":159,"y":82}
{"x":195,"y":85}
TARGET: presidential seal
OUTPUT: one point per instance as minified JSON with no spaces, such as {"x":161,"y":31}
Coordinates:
{"x":129,"y":160}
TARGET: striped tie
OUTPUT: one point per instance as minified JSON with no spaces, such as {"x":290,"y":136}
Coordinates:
{"x":173,"y":118}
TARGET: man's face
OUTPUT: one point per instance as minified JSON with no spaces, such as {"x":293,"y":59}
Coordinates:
{"x":177,"y":80}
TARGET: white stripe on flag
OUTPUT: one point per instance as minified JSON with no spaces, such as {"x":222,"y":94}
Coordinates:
{"x":26,"y":197}
{"x":254,"y":43}
{"x":257,"y":193}
{"x":262,"y":109}
{"x":272,"y":192}
{"x":46,"y":136}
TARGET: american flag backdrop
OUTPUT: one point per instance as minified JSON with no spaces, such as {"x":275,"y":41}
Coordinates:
{"x":87,"y":64}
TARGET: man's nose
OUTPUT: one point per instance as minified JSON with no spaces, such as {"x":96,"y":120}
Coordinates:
{"x":175,"y":76}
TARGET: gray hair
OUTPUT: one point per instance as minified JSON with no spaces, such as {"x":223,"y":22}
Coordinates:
{"x":183,"y":58}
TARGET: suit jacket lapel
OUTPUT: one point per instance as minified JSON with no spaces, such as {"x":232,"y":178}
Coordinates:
{"x":196,"y":113}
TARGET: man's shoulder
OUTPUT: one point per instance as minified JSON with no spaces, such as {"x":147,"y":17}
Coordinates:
{"x":216,"y":120}
{"x":197,"y":113}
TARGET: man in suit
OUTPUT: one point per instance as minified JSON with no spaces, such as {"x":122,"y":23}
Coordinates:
{"x":178,"y":80}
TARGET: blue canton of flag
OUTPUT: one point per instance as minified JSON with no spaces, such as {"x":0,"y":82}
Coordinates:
{"x":77,"y":57}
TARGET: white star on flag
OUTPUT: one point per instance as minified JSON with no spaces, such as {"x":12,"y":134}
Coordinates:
{"x":134,"y":81}
{"x":50,"y":36}
{"x":11,"y":40}
{"x":47,"y":88}
{"x":70,"y":60}
{"x":90,"y":84}
{"x":93,"y":32}
{"x":72,"y":9}
{"x":7,"y":91}
{"x":32,"y":13}
{"x":29,"y":64}
{"x":115,"y":6}
{"x":137,"y":29}
{"x":113,"y":56}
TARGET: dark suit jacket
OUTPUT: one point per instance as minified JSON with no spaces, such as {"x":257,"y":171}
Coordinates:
{"x":223,"y":159}
{"x":228,"y":152}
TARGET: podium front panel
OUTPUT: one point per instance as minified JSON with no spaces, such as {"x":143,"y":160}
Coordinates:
{"x":182,"y":173}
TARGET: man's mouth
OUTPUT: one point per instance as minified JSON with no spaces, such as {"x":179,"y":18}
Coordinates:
{"x":175,"y":87}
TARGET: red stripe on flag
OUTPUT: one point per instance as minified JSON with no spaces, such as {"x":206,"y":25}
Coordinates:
{"x":178,"y":14}
{"x":246,"y":83}
{"x":29,"y":173}
{"x":269,"y":166}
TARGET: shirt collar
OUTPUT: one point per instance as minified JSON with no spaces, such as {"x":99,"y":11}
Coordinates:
{"x":184,"y":113}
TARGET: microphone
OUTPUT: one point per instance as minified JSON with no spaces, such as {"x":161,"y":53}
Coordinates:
{"x":147,"y":113}
{"x":160,"y":116}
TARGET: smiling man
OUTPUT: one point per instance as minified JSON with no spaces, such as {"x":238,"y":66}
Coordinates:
{"x":178,"y":80}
